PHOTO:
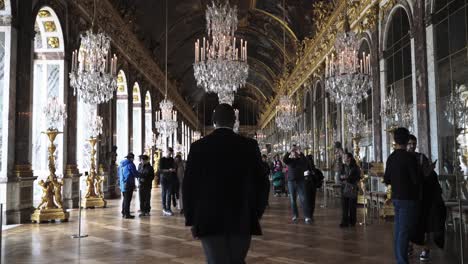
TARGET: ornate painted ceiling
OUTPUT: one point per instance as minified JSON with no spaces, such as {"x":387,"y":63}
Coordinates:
{"x":260,"y":23}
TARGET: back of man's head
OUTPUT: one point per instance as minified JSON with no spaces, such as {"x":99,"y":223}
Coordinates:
{"x":224,"y":116}
{"x":401,"y":136}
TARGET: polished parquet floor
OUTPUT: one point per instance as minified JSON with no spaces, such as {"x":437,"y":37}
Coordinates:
{"x":159,"y":239}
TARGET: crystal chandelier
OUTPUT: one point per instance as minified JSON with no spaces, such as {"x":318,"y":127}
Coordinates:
{"x":226,"y":98}
{"x":95,"y":126}
{"x":166,"y":119}
{"x":260,"y":136}
{"x":220,"y":65}
{"x":355,"y":123}
{"x":55,"y":113}
{"x":396,"y":113}
{"x":196,"y":135}
{"x":236,"y":123}
{"x":348,"y":78}
{"x":286,"y":114}
{"x":93,"y":73}
{"x":457,"y":107}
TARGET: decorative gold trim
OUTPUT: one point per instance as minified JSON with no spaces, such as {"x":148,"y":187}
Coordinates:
{"x":53,"y":42}
{"x":49,"y":26}
{"x":43,"y":13}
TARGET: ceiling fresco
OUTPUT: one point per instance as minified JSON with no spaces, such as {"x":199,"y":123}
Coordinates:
{"x":260,"y":23}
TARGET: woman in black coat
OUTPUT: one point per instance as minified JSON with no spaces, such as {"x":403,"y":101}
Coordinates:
{"x":349,"y":192}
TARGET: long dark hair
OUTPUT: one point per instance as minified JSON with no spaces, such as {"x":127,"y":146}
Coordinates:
{"x":352,"y":162}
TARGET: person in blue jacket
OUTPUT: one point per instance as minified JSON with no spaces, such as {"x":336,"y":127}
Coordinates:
{"x":127,"y":175}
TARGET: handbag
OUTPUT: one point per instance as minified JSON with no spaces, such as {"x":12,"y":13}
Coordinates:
{"x":350,"y":190}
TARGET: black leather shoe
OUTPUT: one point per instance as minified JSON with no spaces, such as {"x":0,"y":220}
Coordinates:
{"x":129,"y":216}
{"x":342,"y":225}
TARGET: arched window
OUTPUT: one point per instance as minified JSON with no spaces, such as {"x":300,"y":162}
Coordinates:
{"x":137,"y":144}
{"x":398,"y":62}
{"x":48,"y":82}
{"x":122,"y":116}
{"x":365,"y":107}
{"x":450,"y":20}
{"x":148,"y":120}
{"x":319,"y":126}
{"x":5,"y":54}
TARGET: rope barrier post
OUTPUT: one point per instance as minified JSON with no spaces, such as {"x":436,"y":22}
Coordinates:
{"x":1,"y":228}
{"x":79,"y":235}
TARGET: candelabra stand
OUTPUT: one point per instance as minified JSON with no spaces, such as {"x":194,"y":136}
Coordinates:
{"x":94,"y":195}
{"x":388,"y":210}
{"x":50,"y":208}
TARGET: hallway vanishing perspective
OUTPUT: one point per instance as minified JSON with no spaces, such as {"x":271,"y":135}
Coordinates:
{"x":160,"y":240}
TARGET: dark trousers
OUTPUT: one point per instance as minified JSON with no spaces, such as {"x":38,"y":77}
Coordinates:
{"x":311,"y":192}
{"x":226,"y":249}
{"x":145,"y":197}
{"x":127,"y":199}
{"x":405,"y":220}
{"x":166,"y":192}
{"x":349,"y":210}
{"x":298,"y":188}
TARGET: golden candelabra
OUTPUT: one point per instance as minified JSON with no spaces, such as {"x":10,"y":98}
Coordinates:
{"x":94,"y":195}
{"x":388,"y":210}
{"x":157,"y":155}
{"x":51,"y":207}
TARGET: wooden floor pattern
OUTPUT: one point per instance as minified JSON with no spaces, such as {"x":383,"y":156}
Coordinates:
{"x":159,"y":239}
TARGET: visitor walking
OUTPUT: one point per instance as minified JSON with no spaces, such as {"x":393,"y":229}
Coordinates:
{"x":401,"y":173}
{"x":167,"y":173}
{"x":145,"y":184}
{"x":350,"y":191}
{"x":127,"y":175}
{"x":180,"y":170}
{"x":313,"y":181}
{"x":297,"y":165}
{"x":223,"y":205}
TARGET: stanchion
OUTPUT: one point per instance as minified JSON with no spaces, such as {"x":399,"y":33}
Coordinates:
{"x":1,"y":227}
{"x":364,"y":222}
{"x":79,"y":235}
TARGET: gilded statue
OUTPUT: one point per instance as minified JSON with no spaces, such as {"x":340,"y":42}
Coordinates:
{"x":47,"y":199}
{"x":99,"y":181}
{"x":57,"y":191}
{"x":90,"y":184}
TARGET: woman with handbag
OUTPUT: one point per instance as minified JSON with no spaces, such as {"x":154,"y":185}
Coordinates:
{"x":349,"y":189}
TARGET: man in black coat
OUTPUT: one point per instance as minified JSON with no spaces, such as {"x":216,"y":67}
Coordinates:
{"x":166,"y":171}
{"x":224,"y":190}
{"x":146,"y":183}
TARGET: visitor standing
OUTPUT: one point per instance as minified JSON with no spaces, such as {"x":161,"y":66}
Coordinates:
{"x":278,"y":176}
{"x":167,"y":173}
{"x":145,"y":184}
{"x":180,"y":170}
{"x":297,"y":165}
{"x":349,"y":191}
{"x":224,"y":205}
{"x":432,"y":214}
{"x":401,"y":173}
{"x":313,"y":181}
{"x":127,"y":174}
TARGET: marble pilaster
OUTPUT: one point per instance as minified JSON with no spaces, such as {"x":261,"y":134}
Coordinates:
{"x":376,"y":96}
{"x":71,"y":187}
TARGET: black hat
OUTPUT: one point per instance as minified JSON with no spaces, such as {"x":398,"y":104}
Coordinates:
{"x":144,"y":157}
{"x":130,"y":155}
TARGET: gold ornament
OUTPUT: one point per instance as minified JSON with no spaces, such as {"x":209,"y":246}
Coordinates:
{"x":51,"y":207}
{"x":94,"y":196}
